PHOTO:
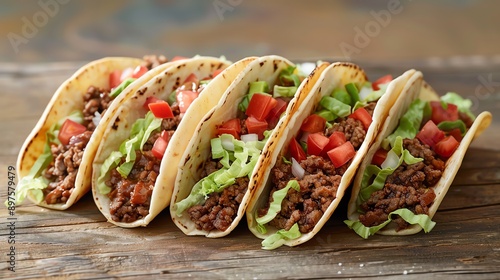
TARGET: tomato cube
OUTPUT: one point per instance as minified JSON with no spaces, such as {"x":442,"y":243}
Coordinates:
{"x":255,"y":126}
{"x":296,"y":150}
{"x":313,"y":124}
{"x":440,"y":114}
{"x":342,"y":154}
{"x":430,"y":134}
{"x":232,"y":127}
{"x":363,"y":116}
{"x":161,"y":109}
{"x":316,"y":142}
{"x":446,"y":147}
{"x":260,"y":106}
{"x":69,"y":129}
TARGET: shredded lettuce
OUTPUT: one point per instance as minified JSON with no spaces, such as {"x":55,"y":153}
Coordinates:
{"x":280,"y":237}
{"x":117,"y":90}
{"x":409,"y":124}
{"x":236,"y":163}
{"x":463,"y":104}
{"x":34,"y":183}
{"x":139,"y":134}
{"x":275,"y":206}
{"x":335,"y":106}
{"x":281,"y":91}
{"x":422,"y":220}
{"x":381,"y":174}
{"x":111,"y":162}
{"x":450,"y":125}
{"x":289,"y":74}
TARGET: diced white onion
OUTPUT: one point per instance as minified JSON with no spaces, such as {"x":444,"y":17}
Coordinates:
{"x":97,"y":118}
{"x":297,"y":170}
{"x":364,"y":92}
{"x":304,"y":137}
{"x":227,"y":143}
{"x":249,"y":137}
{"x":391,"y":160}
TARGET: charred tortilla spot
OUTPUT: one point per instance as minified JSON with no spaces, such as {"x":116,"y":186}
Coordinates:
{"x":261,"y":64}
{"x":275,"y":66}
{"x":177,"y":82}
{"x":142,"y":91}
{"x":176,"y":154}
{"x":187,"y":158}
{"x":159,"y":80}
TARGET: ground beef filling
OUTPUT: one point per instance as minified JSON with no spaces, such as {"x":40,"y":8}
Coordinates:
{"x":318,"y":189}
{"x":220,"y":209}
{"x":410,"y":186}
{"x":63,"y":169}
{"x":130,"y":197}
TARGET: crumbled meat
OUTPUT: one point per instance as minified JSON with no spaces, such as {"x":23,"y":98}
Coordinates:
{"x":410,"y":186}
{"x":220,"y":209}
{"x":370,"y":107}
{"x":152,"y":61}
{"x":353,"y":130}
{"x":130,"y":197}
{"x":318,"y":189}
{"x":95,"y":100}
{"x":62,"y":171}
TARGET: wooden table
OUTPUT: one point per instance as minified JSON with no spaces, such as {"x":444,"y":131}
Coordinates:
{"x":79,"y":243}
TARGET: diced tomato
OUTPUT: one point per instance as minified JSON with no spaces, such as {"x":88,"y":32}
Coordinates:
{"x":363,"y":116}
{"x":161,"y":109}
{"x":379,"y":157}
{"x":342,"y":154}
{"x":217,"y":72}
{"x":256,"y":126}
{"x":140,"y":193}
{"x":185,"y":98}
{"x":150,"y":99}
{"x":260,"y":106}
{"x":313,"y":123}
{"x":274,"y":116}
{"x":380,"y":81}
{"x":296,"y":150}
{"x":430,"y":134}
{"x":446,"y":147}
{"x":440,"y":114}
{"x":114,"y":79}
{"x":336,"y":139}
{"x":232,"y":127}
{"x":456,"y":133}
{"x":139,"y":71}
{"x":178,"y":57}
{"x":160,"y":145}
{"x":69,"y":129}
{"x":316,"y":142}
{"x":191,"y":83}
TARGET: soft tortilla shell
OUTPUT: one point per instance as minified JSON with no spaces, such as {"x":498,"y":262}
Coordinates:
{"x":417,"y":88}
{"x":68,"y":98}
{"x":265,"y":68}
{"x":128,"y":111}
{"x":336,"y":75}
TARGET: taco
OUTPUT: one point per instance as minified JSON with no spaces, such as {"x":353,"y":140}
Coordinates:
{"x":217,"y":175}
{"x":136,"y":161}
{"x":409,"y":168}
{"x":315,"y":156}
{"x":54,"y":164}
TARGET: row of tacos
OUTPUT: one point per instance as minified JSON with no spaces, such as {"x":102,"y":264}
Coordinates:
{"x":216,"y":141}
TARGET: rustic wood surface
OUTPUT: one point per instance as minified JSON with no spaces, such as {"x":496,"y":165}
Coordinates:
{"x":79,"y":243}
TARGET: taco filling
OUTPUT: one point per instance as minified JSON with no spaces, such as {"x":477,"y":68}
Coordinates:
{"x":214,"y":200}
{"x":129,"y":175}
{"x":52,"y":177}
{"x":305,"y":181}
{"x":399,"y":183}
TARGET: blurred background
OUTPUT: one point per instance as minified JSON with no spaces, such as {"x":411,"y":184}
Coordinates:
{"x":376,"y":31}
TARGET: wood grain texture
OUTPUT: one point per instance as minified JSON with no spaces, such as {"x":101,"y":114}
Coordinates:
{"x":79,"y":243}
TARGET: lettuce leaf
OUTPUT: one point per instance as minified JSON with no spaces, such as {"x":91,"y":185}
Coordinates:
{"x":275,"y":206}
{"x":381,"y":174}
{"x":422,"y":220}
{"x":338,"y":108}
{"x":280,"y":237}
{"x":409,"y":124}
{"x":111,"y":162}
{"x":237,"y":162}
{"x":463,"y":104}
{"x":117,"y":90}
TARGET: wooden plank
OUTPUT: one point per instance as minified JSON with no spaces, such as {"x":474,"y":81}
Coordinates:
{"x":79,"y":243}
